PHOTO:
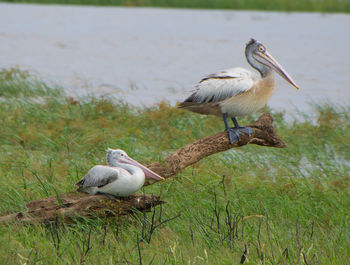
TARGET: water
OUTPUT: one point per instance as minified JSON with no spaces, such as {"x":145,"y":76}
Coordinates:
{"x":145,"y":55}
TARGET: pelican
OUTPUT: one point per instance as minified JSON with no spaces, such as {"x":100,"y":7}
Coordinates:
{"x":237,"y":91}
{"x":121,"y":177}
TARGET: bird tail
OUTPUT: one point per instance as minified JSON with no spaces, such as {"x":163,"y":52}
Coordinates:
{"x":201,"y":108}
{"x":184,"y":105}
{"x":80,"y":183}
{"x":81,"y":187}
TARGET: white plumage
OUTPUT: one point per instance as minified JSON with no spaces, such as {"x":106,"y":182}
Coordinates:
{"x":237,"y":91}
{"x":113,"y":180}
{"x":121,"y":177}
{"x":224,"y":84}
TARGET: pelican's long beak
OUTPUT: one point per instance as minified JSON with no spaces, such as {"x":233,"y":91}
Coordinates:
{"x":268,"y":60}
{"x":148,"y":173}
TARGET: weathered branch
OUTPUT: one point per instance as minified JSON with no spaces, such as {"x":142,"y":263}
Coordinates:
{"x":264,"y":134}
{"x":74,"y":205}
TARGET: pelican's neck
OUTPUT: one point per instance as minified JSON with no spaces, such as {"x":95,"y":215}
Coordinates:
{"x":133,"y":170}
{"x":262,"y":69}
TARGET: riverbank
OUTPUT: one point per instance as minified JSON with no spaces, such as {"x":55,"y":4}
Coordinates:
{"x":342,"y":6}
{"x":285,"y":205}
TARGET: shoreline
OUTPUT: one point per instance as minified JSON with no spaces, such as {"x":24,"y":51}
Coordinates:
{"x":125,"y":52}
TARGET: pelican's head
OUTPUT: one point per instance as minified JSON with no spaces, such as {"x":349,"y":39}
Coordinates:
{"x":260,"y":59}
{"x":115,"y":157}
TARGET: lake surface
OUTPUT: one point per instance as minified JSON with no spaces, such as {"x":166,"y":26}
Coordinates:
{"x":145,"y":55}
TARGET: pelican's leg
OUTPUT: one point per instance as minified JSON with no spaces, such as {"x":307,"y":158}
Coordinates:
{"x":233,"y":133}
{"x":245,"y":130}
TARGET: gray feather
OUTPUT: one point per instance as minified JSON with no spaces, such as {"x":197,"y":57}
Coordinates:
{"x":99,"y":176}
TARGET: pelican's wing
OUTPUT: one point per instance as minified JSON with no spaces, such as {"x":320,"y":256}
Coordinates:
{"x":219,"y":86}
{"x":99,"y":176}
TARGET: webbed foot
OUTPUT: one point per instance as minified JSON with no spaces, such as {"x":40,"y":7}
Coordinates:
{"x":234,"y":134}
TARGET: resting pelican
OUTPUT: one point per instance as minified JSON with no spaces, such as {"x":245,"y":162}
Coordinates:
{"x":237,"y":91}
{"x":121,"y":177}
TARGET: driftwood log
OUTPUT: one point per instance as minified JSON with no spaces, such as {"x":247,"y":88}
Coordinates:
{"x":76,"y":206}
{"x":73,"y":206}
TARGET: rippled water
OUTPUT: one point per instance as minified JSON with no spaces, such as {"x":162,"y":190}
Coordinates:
{"x":145,"y":55}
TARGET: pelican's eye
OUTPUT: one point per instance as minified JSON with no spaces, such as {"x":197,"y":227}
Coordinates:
{"x":121,"y":154}
{"x":261,"y":48}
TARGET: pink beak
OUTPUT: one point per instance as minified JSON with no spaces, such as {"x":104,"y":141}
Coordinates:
{"x":268,"y":60}
{"x":148,"y":173}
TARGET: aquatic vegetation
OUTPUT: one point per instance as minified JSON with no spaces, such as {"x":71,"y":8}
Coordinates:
{"x":272,"y":5}
{"x":282,"y":205}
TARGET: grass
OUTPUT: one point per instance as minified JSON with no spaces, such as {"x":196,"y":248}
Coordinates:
{"x":275,"y":5}
{"x":286,"y":206}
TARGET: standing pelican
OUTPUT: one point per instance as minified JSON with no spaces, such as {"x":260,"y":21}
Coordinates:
{"x":237,"y":91}
{"x":121,"y":177}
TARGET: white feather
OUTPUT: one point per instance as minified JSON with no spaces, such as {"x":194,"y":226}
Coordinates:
{"x":126,"y":183}
{"x":113,"y":180}
{"x":225,"y":84}
{"x":123,"y":175}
